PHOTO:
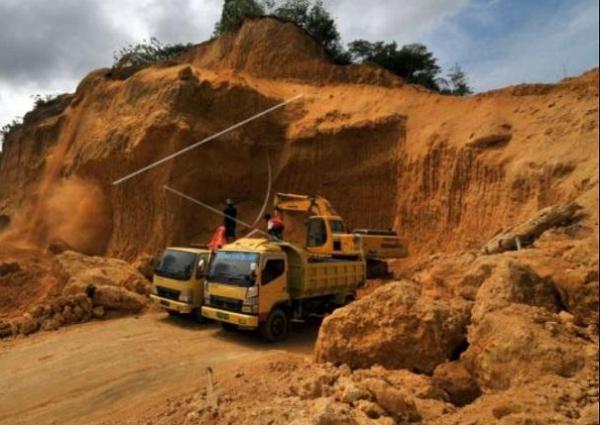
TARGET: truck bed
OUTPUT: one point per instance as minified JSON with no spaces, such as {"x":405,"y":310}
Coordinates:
{"x":325,"y":277}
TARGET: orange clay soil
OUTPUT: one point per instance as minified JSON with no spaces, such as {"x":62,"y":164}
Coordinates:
{"x":447,"y":173}
{"x":467,"y":338}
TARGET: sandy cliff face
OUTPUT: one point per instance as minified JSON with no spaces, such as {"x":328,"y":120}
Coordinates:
{"x":469,"y":335}
{"x":446,"y":172}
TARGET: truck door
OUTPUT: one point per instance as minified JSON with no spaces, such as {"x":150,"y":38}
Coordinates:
{"x":273,"y":284}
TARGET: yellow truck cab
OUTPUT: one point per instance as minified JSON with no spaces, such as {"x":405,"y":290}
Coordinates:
{"x":263,"y":284}
{"x":178,"y":282}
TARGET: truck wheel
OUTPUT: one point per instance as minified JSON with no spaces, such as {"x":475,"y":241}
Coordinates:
{"x":173,"y":313}
{"x":275,"y":327}
{"x":229,"y":327}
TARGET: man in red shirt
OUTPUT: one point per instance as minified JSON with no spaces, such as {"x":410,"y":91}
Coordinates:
{"x":275,"y":225}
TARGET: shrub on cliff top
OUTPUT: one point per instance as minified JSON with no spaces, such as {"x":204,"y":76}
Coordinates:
{"x":148,"y":52}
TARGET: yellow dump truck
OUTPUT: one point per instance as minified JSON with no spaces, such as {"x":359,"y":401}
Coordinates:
{"x":178,"y":282}
{"x":262,"y":284}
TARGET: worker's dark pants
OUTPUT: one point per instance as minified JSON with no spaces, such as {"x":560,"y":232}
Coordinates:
{"x":230,"y":233}
{"x":276,"y":234}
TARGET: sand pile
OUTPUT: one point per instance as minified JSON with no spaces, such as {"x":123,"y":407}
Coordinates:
{"x":44,"y":292}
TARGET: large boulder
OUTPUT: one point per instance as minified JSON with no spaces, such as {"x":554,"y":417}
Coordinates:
{"x":519,"y":343}
{"x":82,"y":270}
{"x":396,"y":326}
{"x":115,"y":298}
{"x":512,"y":282}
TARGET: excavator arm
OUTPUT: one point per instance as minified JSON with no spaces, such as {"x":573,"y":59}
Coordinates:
{"x":313,"y":205}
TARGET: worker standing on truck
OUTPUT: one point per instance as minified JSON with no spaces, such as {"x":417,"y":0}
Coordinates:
{"x":230,"y":213}
{"x":275,"y":225}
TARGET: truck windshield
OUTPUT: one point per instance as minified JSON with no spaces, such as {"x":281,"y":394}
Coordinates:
{"x":176,"y":264}
{"x":232,"y":268}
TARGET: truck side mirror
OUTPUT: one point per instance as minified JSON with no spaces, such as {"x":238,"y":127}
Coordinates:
{"x":200,"y":269}
{"x":253,"y":267}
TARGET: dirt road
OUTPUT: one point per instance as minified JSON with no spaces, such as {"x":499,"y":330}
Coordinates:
{"x":104,"y":370}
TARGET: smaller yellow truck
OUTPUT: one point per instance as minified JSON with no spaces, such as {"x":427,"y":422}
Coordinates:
{"x":263,"y":284}
{"x":178,"y":282}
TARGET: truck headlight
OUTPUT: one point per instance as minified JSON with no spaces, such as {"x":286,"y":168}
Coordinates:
{"x":250,"y":305}
{"x":253,"y":309}
{"x":251,"y":301}
{"x":185,"y":298}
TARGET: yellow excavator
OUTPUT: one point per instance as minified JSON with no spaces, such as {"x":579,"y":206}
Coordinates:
{"x":325,"y":232}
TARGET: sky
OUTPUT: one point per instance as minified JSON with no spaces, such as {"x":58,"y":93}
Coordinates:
{"x":47,"y":47}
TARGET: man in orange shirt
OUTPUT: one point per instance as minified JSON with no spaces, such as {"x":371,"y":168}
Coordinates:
{"x":275,"y":225}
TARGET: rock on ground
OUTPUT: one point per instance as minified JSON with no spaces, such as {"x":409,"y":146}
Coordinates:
{"x":115,"y":298}
{"x":519,"y":343}
{"x":513,"y":282}
{"x":80,"y":270}
{"x":456,"y":382}
{"x":397,"y":327}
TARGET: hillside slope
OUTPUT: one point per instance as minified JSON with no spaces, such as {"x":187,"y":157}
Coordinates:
{"x":446,"y":172}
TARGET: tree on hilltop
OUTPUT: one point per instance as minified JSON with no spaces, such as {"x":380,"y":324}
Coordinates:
{"x":457,"y":82}
{"x":413,"y":62}
{"x":234,"y":12}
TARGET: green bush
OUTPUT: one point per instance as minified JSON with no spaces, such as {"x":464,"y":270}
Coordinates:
{"x":43,"y":99}
{"x":148,"y":52}
{"x":6,"y":129}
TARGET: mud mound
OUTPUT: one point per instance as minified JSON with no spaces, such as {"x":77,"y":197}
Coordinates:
{"x":26,"y":279}
{"x":43,"y":292}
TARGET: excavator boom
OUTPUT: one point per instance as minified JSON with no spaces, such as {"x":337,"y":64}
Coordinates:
{"x":314,"y":205}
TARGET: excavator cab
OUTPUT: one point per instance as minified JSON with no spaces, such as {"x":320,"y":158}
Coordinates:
{"x":328,"y":236}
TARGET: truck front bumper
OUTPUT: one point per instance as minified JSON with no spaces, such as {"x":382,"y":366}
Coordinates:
{"x":243,"y":320}
{"x":172,"y":305}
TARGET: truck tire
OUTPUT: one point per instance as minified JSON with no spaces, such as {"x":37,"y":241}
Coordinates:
{"x":275,"y":327}
{"x":173,"y":313}
{"x":229,"y":327}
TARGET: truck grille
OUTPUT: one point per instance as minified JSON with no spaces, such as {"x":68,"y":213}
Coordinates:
{"x":170,"y":294}
{"x":229,"y":304}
